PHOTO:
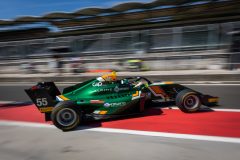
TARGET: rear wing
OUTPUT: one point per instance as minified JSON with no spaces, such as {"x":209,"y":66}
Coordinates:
{"x":43,"y":95}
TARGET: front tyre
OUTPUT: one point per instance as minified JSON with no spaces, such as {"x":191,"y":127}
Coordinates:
{"x":65,"y":116}
{"x":188,"y":101}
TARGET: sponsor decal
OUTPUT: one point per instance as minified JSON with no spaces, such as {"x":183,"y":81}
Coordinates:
{"x":212,"y":100}
{"x":103,"y":90}
{"x":117,"y":89}
{"x":96,"y":101}
{"x":117,"y":104}
{"x":97,"y":84}
{"x":136,"y":95}
{"x":59,"y":99}
{"x":102,"y":112}
{"x":106,"y":105}
{"x":99,"y":112}
{"x":159,"y":100}
{"x":96,"y":112}
{"x":62,"y":98}
{"x":46,"y":109}
{"x":168,"y":82}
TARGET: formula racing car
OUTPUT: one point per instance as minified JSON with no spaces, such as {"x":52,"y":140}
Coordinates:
{"x":106,"y":97}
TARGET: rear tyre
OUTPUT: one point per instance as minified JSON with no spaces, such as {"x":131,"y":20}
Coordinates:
{"x":188,"y":101}
{"x":65,"y":116}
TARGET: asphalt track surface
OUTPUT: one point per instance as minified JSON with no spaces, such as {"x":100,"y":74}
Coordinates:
{"x":51,"y":144}
{"x":157,"y":134}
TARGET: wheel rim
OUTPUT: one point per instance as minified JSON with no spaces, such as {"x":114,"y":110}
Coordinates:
{"x":191,"y":102}
{"x":66,"y":117}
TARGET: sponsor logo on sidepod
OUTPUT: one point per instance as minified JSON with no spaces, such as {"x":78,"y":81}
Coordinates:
{"x":118,"y":104}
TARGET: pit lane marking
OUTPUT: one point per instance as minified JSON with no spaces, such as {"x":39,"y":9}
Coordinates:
{"x":130,"y":132}
{"x":203,"y":107}
{"x":6,"y":102}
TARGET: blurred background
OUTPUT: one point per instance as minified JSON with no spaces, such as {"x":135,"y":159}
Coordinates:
{"x":192,"y":42}
{"x":125,"y":36}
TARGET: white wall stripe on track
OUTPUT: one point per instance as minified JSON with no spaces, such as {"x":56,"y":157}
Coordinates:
{"x":214,"y":109}
{"x":131,"y":132}
{"x":25,"y":124}
{"x":6,"y":102}
{"x":168,"y":135}
{"x":226,"y":110}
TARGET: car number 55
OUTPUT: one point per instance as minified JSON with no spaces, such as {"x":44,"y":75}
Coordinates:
{"x":41,"y":102}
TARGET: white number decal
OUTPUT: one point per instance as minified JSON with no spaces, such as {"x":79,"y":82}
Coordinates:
{"x":41,"y":102}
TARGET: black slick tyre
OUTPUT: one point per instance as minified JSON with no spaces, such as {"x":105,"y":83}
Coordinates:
{"x":65,"y":116}
{"x":188,"y":101}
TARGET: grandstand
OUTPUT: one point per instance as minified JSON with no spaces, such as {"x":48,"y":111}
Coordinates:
{"x":174,"y":26}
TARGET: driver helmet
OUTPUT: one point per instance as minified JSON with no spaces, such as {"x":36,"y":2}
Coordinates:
{"x":110,"y":77}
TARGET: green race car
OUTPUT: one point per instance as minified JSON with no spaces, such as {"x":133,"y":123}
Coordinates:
{"x":107,"y":97}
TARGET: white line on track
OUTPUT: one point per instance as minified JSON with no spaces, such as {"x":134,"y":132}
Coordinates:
{"x":203,"y":107}
{"x":210,"y":84}
{"x":131,"y":132}
{"x":15,"y":102}
{"x":6,"y":102}
{"x":168,"y":135}
{"x":25,"y":124}
{"x":227,"y":110}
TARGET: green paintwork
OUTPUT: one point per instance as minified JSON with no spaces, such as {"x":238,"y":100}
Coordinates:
{"x":110,"y":96}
